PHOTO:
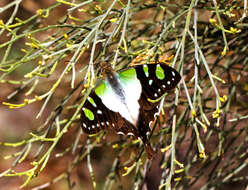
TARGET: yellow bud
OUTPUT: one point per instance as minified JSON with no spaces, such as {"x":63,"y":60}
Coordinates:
{"x":165,"y":149}
{"x":115,"y":146}
{"x":40,"y":62}
{"x":178,"y":179}
{"x":234,"y":30}
{"x":178,"y":163}
{"x":193,"y":112}
{"x":39,"y":12}
{"x":86,"y":85}
{"x":223,"y":99}
{"x":202,"y":154}
{"x":26,"y":101}
{"x":23,"y":50}
{"x":113,"y":20}
{"x":179,"y":171}
{"x":223,"y":53}
{"x":99,"y":8}
{"x":37,"y":98}
{"x":205,"y":129}
{"x":66,"y":36}
{"x":216,"y":113}
{"x":212,"y":21}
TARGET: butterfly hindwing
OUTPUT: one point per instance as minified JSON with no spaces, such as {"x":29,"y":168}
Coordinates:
{"x":95,"y":116}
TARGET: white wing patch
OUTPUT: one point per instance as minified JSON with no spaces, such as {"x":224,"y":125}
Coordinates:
{"x":113,"y":101}
{"x":132,"y":88}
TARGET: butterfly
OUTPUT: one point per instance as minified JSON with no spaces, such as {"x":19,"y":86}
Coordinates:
{"x":122,"y":100}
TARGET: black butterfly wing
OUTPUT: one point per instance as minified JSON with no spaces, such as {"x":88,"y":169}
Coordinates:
{"x":95,"y":116}
{"x":156,"y":80}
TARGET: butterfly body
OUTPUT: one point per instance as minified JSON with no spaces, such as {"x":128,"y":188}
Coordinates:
{"x":122,"y":100}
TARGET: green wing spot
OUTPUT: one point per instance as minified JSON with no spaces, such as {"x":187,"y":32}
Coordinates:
{"x":92,"y":101}
{"x":129,"y":78}
{"x":159,"y":73}
{"x":88,"y":114}
{"x":100,"y":90}
{"x":145,"y":69}
{"x":127,"y":74}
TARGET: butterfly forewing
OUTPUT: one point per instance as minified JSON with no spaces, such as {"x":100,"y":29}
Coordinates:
{"x":156,"y":79}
